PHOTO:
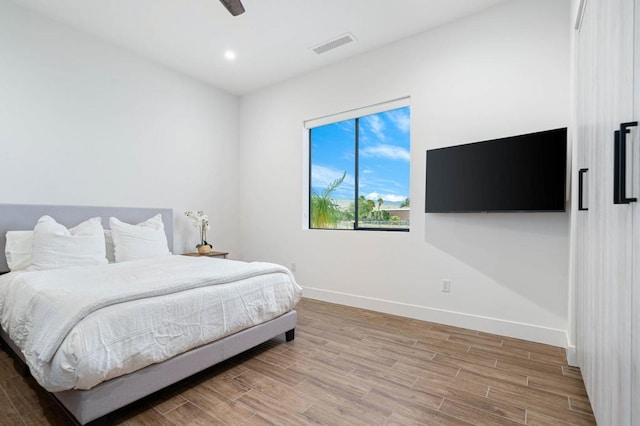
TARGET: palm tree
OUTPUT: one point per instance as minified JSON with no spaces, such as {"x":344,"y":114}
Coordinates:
{"x":378,"y":213}
{"x":365,"y":207}
{"x":324,"y":211}
{"x":406,"y":203}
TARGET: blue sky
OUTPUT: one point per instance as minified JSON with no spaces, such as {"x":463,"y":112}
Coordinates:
{"x":384,"y":156}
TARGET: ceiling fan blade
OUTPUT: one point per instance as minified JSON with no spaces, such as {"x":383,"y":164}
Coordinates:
{"x":234,"y":7}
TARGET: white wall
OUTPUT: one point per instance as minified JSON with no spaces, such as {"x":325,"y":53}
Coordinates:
{"x":503,"y":72}
{"x":85,"y":123}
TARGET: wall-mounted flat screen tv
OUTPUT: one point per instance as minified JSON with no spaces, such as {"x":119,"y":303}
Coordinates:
{"x":525,"y":173}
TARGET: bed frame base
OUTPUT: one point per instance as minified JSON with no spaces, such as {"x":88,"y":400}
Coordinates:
{"x":93,"y":405}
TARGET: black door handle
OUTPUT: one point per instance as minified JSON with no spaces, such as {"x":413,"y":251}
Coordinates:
{"x":620,"y":164}
{"x":581,"y":173}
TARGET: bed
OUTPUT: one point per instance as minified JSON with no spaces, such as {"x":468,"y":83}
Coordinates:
{"x":248,"y":305}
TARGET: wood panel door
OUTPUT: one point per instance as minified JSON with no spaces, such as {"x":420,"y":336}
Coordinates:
{"x":605,"y":260}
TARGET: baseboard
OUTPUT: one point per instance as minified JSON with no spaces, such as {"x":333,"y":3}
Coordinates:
{"x":572,"y":356}
{"x":531,"y":332}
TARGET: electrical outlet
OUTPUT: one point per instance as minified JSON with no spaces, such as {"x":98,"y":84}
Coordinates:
{"x":293,"y":267}
{"x":446,"y":286}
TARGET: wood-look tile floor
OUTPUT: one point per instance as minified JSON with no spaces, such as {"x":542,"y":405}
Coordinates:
{"x":350,"y":366}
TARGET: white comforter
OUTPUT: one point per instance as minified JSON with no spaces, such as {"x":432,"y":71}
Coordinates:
{"x":81,"y":326}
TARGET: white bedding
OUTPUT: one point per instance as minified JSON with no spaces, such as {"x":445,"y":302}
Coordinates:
{"x":123,"y":337}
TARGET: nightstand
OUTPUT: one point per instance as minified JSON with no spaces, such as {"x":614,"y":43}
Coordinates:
{"x":222,"y":254}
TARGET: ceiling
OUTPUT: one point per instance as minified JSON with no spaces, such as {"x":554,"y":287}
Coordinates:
{"x":272,"y":39}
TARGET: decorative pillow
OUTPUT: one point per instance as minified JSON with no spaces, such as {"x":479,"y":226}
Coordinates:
{"x":132,"y":242}
{"x":55,"y":246}
{"x":18,"y":249}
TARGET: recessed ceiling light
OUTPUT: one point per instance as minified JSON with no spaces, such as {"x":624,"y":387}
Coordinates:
{"x":230,"y":55}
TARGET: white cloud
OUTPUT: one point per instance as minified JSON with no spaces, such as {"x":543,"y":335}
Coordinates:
{"x":386,"y":197}
{"x":390,"y":152}
{"x":375,"y":125}
{"x":400,"y":118}
{"x":322,"y":177}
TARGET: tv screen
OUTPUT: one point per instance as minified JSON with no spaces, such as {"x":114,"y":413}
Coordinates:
{"x":514,"y":174}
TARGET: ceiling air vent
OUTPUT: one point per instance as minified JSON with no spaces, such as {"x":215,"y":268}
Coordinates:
{"x":333,"y":43}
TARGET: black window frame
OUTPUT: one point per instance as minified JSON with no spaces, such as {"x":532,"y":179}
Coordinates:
{"x":356,"y":227}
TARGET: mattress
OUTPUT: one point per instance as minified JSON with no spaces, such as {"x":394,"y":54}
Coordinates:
{"x":121,"y":338}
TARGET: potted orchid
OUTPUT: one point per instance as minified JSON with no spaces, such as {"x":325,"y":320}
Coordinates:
{"x":201,"y":221}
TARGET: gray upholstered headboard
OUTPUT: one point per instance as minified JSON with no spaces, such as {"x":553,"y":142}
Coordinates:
{"x":16,"y":217}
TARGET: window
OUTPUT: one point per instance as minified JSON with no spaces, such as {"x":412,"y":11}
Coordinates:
{"x":359,"y":168}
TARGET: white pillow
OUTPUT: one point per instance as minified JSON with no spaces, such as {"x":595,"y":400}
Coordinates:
{"x":132,"y":242}
{"x":55,"y":246}
{"x":18,"y":249}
